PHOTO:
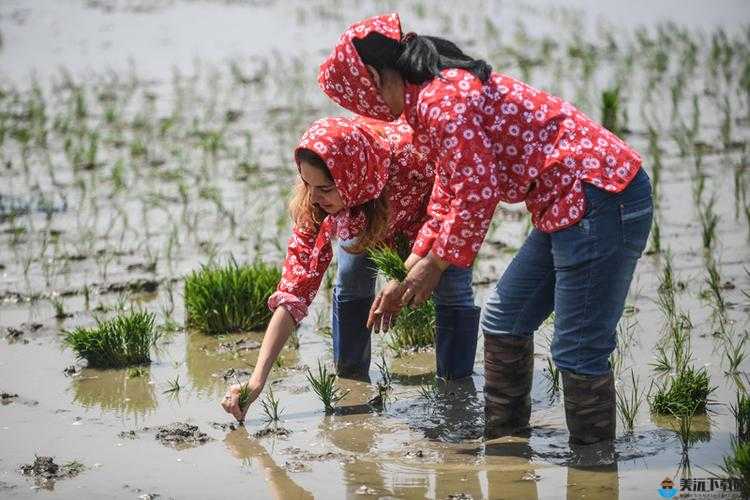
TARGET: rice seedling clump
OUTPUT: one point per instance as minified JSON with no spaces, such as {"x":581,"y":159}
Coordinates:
{"x":231,"y":298}
{"x":125,"y":340}
{"x":414,"y":328}
{"x":688,"y":391}
{"x":324,"y":385}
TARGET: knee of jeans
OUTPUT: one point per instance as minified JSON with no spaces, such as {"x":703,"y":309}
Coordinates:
{"x":582,"y":361}
{"x":454,"y":288}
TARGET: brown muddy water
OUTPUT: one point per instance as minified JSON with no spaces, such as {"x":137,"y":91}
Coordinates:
{"x":139,"y":140}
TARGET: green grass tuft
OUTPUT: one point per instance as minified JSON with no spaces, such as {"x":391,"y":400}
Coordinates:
{"x":737,"y":465}
{"x":125,"y":340}
{"x":741,"y":412}
{"x":231,"y":298}
{"x":688,"y":390}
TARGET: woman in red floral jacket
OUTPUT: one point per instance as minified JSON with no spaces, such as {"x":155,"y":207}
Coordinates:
{"x":494,"y":138}
{"x":362,"y":183}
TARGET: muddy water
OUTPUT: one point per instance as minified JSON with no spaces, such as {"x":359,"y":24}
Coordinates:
{"x":175,"y":207}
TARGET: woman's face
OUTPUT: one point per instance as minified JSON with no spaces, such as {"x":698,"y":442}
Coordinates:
{"x":323,"y":191}
{"x":391,"y":87}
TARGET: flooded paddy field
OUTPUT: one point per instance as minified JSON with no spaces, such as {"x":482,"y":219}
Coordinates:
{"x":141,"y":140}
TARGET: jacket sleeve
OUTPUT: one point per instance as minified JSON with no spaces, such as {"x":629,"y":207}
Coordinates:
{"x":309,"y":253}
{"x":465,"y":192}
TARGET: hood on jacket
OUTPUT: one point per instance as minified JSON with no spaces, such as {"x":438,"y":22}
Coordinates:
{"x":357,"y":157}
{"x":343,"y":76}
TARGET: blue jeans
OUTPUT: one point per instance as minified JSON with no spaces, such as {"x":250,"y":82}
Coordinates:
{"x":355,"y":279}
{"x":582,"y":273}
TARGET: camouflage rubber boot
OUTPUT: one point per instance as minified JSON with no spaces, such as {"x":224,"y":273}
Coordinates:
{"x":589,"y":407}
{"x":508,"y":371}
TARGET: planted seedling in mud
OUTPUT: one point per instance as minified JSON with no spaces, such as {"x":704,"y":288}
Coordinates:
{"x":324,"y":385}
{"x":734,"y":353}
{"x":713,"y":280}
{"x":414,"y":328}
{"x":231,"y":298}
{"x":688,"y":389}
{"x":384,"y":385}
{"x":628,"y":404}
{"x":611,"y":110}
{"x":709,"y":221}
{"x":429,"y":392}
{"x":270,"y":406}
{"x":741,"y":412}
{"x":552,"y":373}
{"x":737,"y":465}
{"x":173,"y":386}
{"x":655,"y":245}
{"x":684,"y":416}
{"x":122,"y":341}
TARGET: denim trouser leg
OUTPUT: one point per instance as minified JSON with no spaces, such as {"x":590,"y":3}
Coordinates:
{"x":457,"y":317}
{"x":583,"y":273}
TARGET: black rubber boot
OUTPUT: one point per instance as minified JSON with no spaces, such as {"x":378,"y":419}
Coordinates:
{"x":456,"y":341}
{"x":508,"y":372}
{"x":590,"y":413}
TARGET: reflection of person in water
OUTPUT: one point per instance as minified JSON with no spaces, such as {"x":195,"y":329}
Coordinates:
{"x":244,"y":447}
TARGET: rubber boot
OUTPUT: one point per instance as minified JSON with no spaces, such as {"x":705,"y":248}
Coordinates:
{"x":589,"y":407}
{"x":351,"y":337}
{"x":456,"y":341}
{"x":508,"y":370}
{"x":590,"y":413}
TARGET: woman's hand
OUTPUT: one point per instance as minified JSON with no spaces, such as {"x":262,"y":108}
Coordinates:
{"x":422,"y":279}
{"x":231,"y":401}
{"x":385,"y":307}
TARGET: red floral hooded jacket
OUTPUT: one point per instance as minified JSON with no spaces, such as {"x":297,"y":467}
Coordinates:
{"x":501,"y":140}
{"x":364,"y":157}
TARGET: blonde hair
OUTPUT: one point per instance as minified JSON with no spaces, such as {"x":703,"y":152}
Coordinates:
{"x":308,"y":215}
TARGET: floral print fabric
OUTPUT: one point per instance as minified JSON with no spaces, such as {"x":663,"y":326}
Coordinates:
{"x":501,"y":140}
{"x":365,"y":157}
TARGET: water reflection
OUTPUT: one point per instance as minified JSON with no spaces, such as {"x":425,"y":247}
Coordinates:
{"x":246,"y":448}
{"x":115,"y":390}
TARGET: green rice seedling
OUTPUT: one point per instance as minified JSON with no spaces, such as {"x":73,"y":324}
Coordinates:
{"x":552,"y":373}
{"x":741,"y":412}
{"x":59,"y":306}
{"x":230,"y":298}
{"x":628,"y":404}
{"x":244,"y":396}
{"x":713,"y":280}
{"x":611,"y":110}
{"x":429,"y":392}
{"x":384,"y":385}
{"x":122,"y":341}
{"x":689,"y":389}
{"x":270,"y":406}
{"x":414,"y":328}
{"x":737,"y":465}
{"x":654,"y":247}
{"x":709,"y":221}
{"x":173,"y":386}
{"x":734,"y":353}
{"x":324,"y":385}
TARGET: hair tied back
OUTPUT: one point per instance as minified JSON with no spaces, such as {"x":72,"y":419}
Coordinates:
{"x":407,"y":37}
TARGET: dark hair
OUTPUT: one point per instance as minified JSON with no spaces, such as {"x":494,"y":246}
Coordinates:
{"x":419,"y":59}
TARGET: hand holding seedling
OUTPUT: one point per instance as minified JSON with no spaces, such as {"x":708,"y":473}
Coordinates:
{"x":385,"y":307}
{"x":239,"y":397}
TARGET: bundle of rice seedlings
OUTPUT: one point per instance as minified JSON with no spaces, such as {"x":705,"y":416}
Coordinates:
{"x":124,"y":340}
{"x":414,"y":328}
{"x":324,"y":385}
{"x":689,"y":389}
{"x":231,"y":298}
